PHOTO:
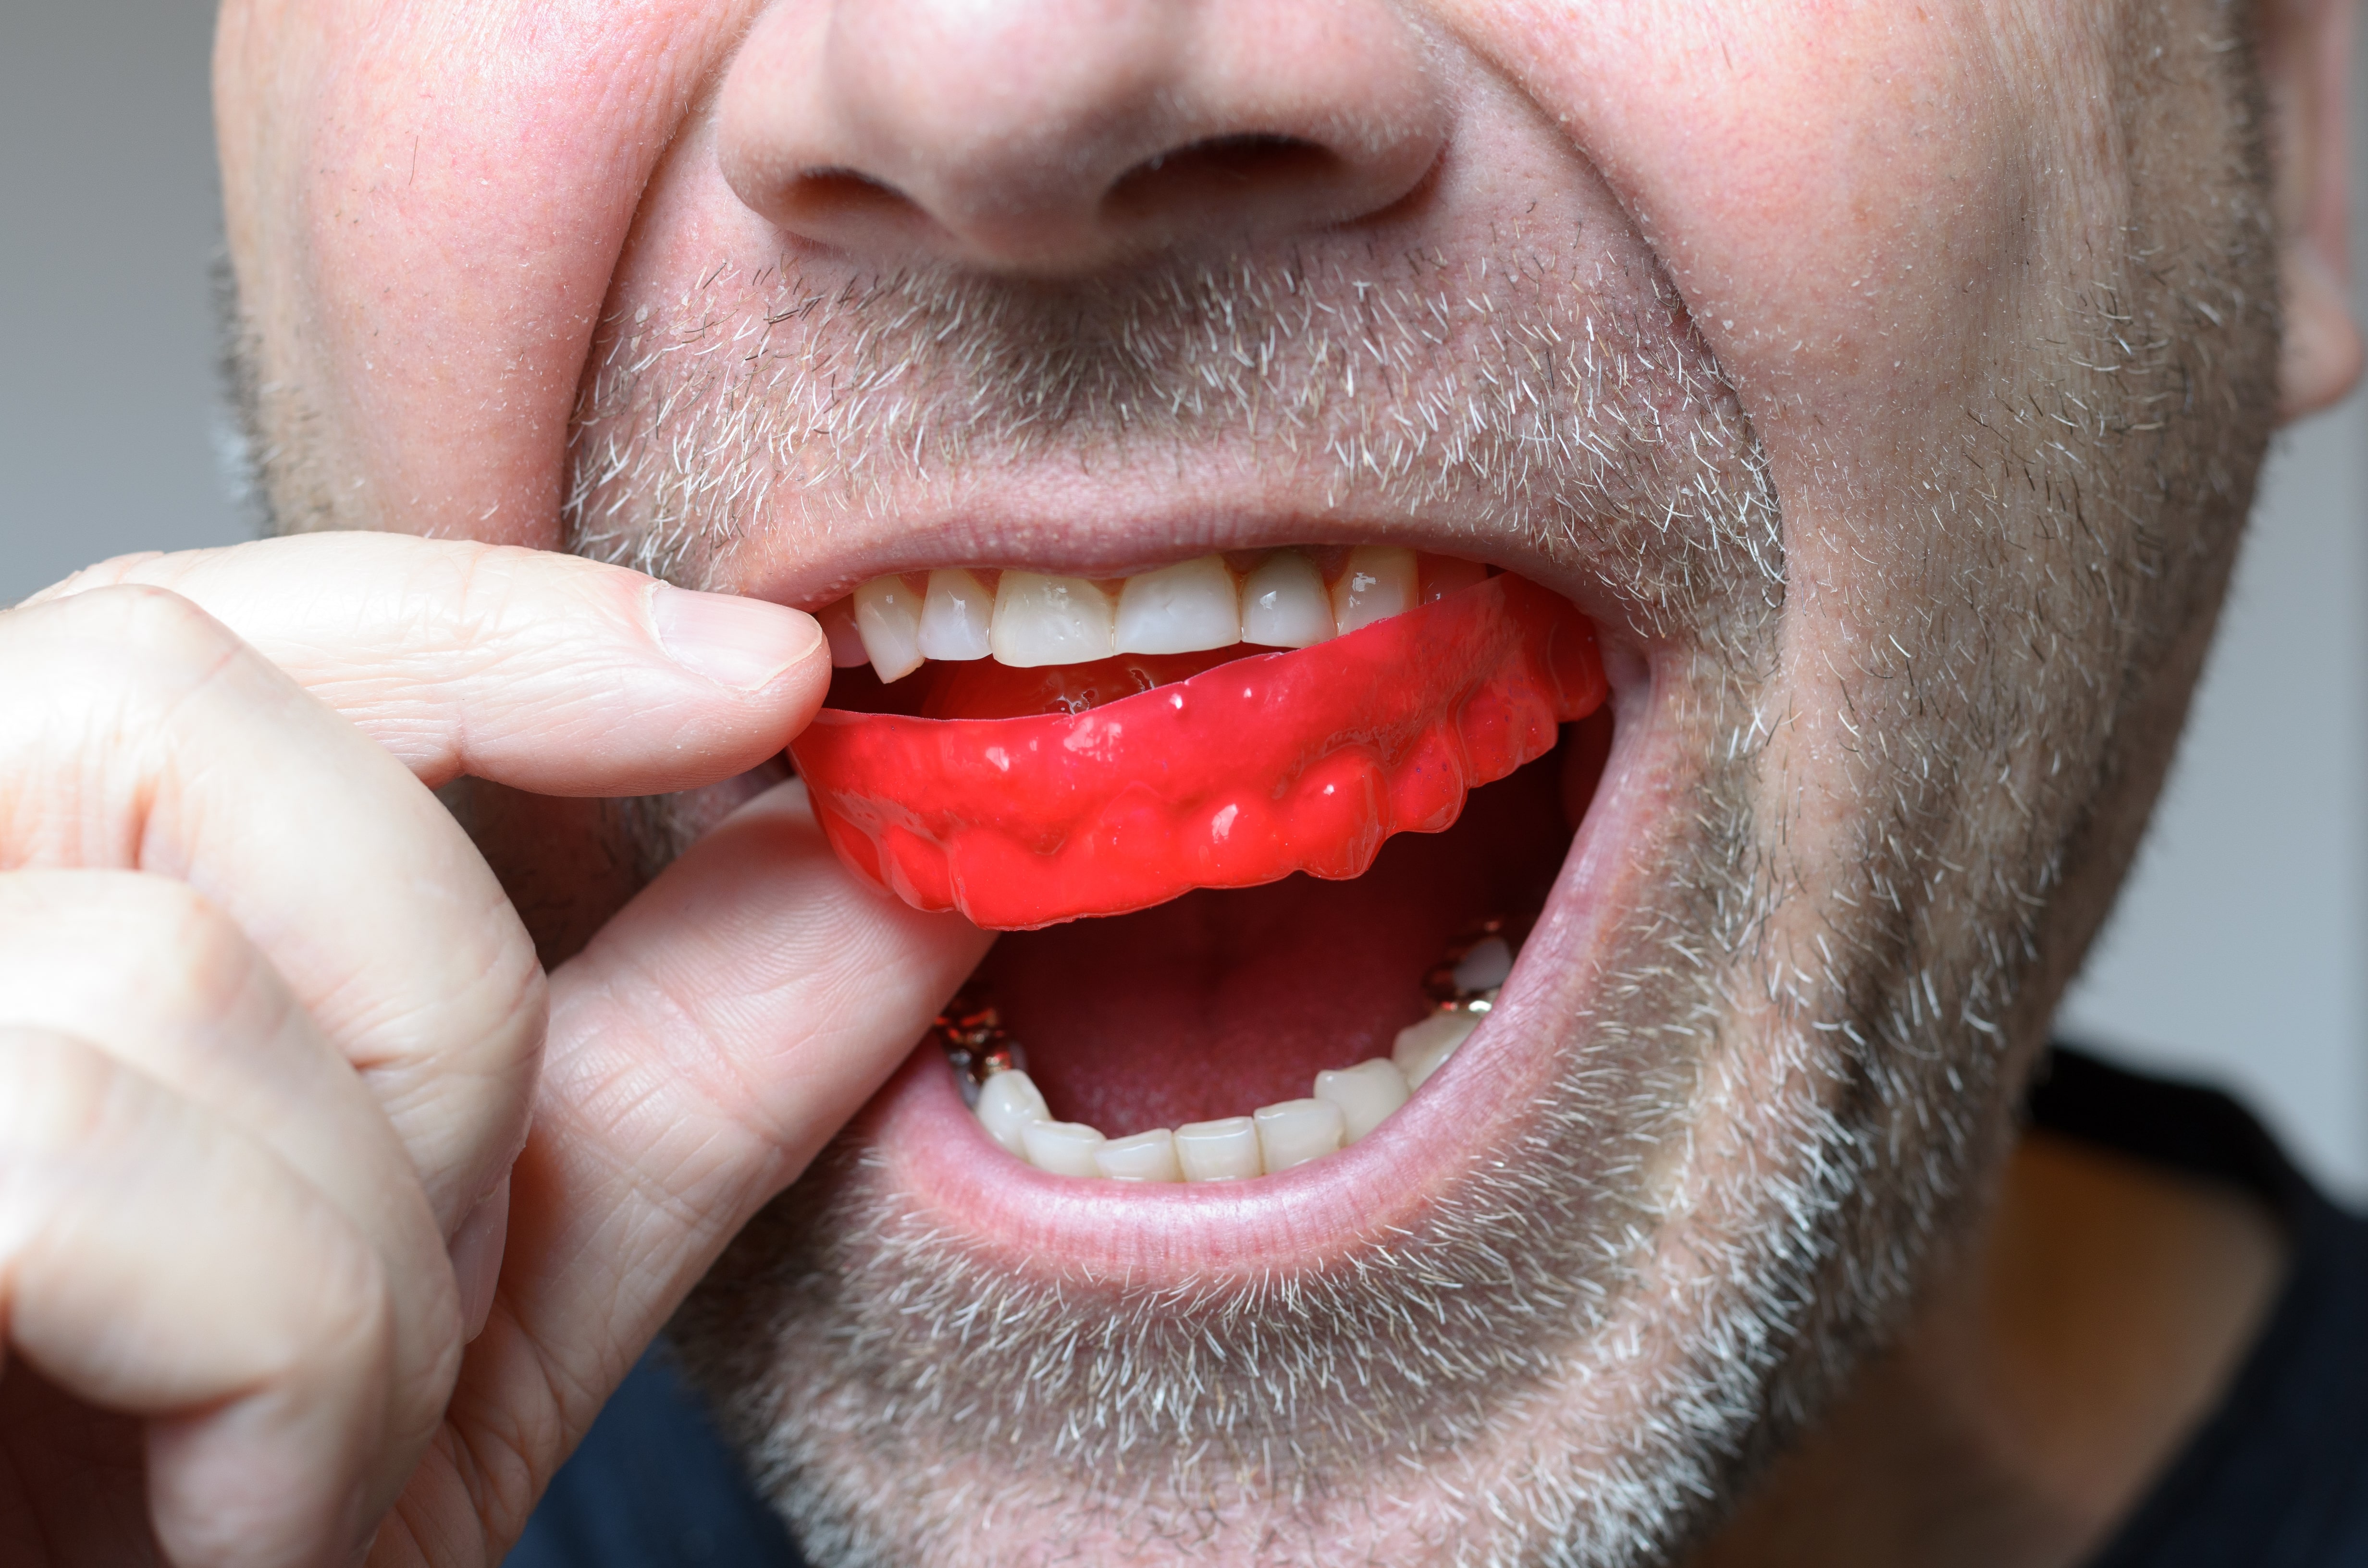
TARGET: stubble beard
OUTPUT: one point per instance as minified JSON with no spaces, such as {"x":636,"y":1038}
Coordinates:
{"x":1788,"y":1083}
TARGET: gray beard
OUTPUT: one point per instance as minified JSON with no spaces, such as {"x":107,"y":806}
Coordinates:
{"x":1790,"y":1081}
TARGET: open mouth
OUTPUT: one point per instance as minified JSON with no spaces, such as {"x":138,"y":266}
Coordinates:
{"x":1124,"y":777}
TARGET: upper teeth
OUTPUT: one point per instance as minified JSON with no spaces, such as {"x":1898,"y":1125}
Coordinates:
{"x":1028,"y":619}
{"x":955,"y":615}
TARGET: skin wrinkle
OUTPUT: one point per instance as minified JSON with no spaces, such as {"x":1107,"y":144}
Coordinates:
{"x":1794,"y":1077}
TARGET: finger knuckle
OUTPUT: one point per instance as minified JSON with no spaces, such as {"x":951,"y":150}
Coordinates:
{"x":138,"y":618}
{"x":55,"y":1093}
{"x":68,"y":939}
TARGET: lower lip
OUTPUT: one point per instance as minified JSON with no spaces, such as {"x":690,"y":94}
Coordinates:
{"x":1023,"y":1219}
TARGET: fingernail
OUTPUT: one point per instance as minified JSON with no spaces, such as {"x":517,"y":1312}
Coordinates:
{"x":742,"y":644}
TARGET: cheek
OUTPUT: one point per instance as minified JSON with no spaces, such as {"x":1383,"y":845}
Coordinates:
{"x":1829,"y":183}
{"x":691,"y":231}
{"x":462,"y":179}
{"x":1843,"y":192}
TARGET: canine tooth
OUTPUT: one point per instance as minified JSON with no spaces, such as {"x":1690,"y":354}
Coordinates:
{"x":955,"y":617}
{"x":1179,"y":609}
{"x":888,"y":614}
{"x":1283,"y":603}
{"x":1049,"y":620}
{"x":1485,"y":966}
{"x":838,"y":620}
{"x":1421,"y":1048}
{"x":1063,"y":1148}
{"x":1008,"y":1104}
{"x":1140,"y":1156}
{"x":1295,"y":1131}
{"x":1378,"y":582}
{"x":1218,"y":1150}
{"x":1365,"y":1094}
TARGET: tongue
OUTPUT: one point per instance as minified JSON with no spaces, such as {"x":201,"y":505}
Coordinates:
{"x":1223,"y":1001}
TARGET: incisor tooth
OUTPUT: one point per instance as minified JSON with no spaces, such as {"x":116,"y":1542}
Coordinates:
{"x":1008,"y":1103}
{"x":1063,"y":1148}
{"x":1140,"y":1156}
{"x":1049,"y":620}
{"x":955,"y":617}
{"x":1365,"y":1094}
{"x":1295,"y":1131}
{"x":1283,"y":603}
{"x":1182,"y":609}
{"x":1378,"y":582}
{"x":1218,"y":1150}
{"x":888,"y":614}
{"x":1421,"y":1048}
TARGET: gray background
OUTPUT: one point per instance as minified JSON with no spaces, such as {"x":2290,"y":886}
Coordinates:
{"x":2233,"y":955}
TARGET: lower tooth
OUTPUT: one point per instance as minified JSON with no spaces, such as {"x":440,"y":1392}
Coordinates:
{"x":1008,"y":1104}
{"x":1348,"y":1103}
{"x":1218,"y":1150}
{"x":1063,"y":1148}
{"x":1296,"y":1131}
{"x":1141,"y":1156}
{"x":1365,"y":1094}
{"x":1422,"y":1049}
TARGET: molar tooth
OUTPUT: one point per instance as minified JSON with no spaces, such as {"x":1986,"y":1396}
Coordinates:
{"x":1182,"y":609}
{"x":1295,"y":1131}
{"x":1421,"y":1048}
{"x":1008,"y":1103}
{"x":1485,"y":966}
{"x":955,"y":617}
{"x":1140,"y":1156}
{"x":1365,"y":1094}
{"x":1063,"y":1148}
{"x":1049,"y":620}
{"x":838,"y":620}
{"x":1218,"y":1150}
{"x":1378,"y":582}
{"x":1283,"y":603}
{"x":888,"y":614}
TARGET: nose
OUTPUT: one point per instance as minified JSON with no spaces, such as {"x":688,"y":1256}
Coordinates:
{"x":1057,"y":137}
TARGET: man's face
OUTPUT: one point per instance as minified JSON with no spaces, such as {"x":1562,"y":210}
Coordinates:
{"x":1885,"y":382}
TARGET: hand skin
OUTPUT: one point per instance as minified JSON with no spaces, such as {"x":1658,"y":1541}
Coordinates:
{"x":275,"y":1045}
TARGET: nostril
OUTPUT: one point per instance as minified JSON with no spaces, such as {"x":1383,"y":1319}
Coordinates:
{"x":1220,"y":167}
{"x":827,"y":193}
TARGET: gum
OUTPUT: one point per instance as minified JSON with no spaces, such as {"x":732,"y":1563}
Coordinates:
{"x":1242,"y":774}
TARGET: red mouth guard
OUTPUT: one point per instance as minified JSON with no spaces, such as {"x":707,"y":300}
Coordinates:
{"x":1275,"y":763}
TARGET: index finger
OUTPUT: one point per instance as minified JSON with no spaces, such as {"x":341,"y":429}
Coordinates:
{"x":545,"y":672}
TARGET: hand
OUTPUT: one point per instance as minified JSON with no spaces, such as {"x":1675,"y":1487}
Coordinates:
{"x":270,"y":1120}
